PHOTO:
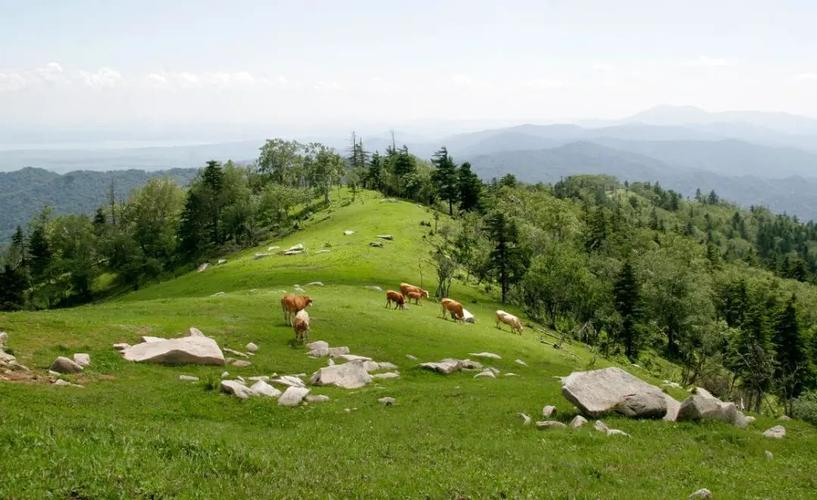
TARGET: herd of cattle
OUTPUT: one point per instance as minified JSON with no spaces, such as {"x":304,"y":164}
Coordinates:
{"x":295,"y":315}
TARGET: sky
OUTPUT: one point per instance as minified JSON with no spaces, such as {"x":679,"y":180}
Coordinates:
{"x":218,"y":70}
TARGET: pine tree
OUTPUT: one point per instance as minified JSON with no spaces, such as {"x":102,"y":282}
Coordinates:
{"x":507,"y":260}
{"x":17,"y":255}
{"x":39,"y":249}
{"x":791,"y":354}
{"x":13,"y":289}
{"x":469,"y":187}
{"x":626,"y":298}
{"x":445,"y":178}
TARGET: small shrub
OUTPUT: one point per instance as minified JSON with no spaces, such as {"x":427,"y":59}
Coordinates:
{"x":211,"y":382}
{"x":805,"y":407}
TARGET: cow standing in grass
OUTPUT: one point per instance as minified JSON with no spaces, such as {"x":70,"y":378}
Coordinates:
{"x":414,"y":295}
{"x":406,"y":289}
{"x":291,"y":304}
{"x":454,"y":308}
{"x":397,"y":298}
{"x":301,"y":326}
{"x":510,"y":320}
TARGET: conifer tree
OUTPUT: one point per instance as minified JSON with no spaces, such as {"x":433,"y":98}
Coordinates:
{"x":625,"y":292}
{"x":469,"y":187}
{"x":507,"y":259}
{"x":445,"y":178}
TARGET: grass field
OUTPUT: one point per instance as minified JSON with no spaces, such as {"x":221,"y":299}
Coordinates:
{"x":137,"y":431}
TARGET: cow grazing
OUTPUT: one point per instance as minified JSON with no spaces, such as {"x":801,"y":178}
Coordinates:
{"x":510,"y":320}
{"x":405,"y":288}
{"x":397,"y":298}
{"x":291,"y":304}
{"x":301,"y":326}
{"x":414,"y":295}
{"x":454,"y":308}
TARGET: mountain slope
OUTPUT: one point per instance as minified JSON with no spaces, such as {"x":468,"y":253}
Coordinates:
{"x":462,"y":436}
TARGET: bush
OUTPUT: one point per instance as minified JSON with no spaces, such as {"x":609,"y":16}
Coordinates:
{"x":805,"y":407}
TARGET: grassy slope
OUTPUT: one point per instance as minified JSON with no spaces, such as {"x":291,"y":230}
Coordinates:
{"x":137,"y":430}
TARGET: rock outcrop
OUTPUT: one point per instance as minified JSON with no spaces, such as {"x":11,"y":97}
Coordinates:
{"x":704,"y":406}
{"x":350,"y":375}
{"x":184,"y":350}
{"x":606,"y":390}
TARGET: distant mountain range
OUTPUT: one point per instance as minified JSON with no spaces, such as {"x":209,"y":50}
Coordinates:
{"x":25,"y":192}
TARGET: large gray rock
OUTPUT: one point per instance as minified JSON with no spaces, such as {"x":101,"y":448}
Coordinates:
{"x":261,"y":388}
{"x":445,"y":366}
{"x":351,"y":375}
{"x":318,"y":349}
{"x":602,"y":391}
{"x":704,"y":406}
{"x":65,"y":365}
{"x":673,"y":406}
{"x":185,"y":350}
{"x":776,"y":432}
{"x":236,"y":388}
{"x":293,"y":396}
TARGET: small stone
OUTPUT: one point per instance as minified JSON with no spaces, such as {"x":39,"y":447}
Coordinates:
{"x":411,"y":357}
{"x":485,"y":374}
{"x":702,"y":493}
{"x":256,"y":378}
{"x":315,"y":283}
{"x":65,"y":365}
{"x":511,"y":374}
{"x":188,"y":378}
{"x":784,"y":418}
{"x":194,"y":332}
{"x":376,"y":244}
{"x":550,"y":424}
{"x":317,"y":398}
{"x":261,"y":255}
{"x":241,"y":363}
{"x":486,"y":355}
{"x":577,"y":422}
{"x":776,"y":432}
{"x":520,"y":362}
{"x":548,"y":411}
{"x":235,"y":353}
{"x":616,"y":432}
{"x":53,"y":373}
{"x":749,"y":419}
{"x":525,"y":419}
{"x":385,"y":237}
{"x":202,"y":267}
{"x":293,"y":396}
{"x":4,"y":337}
{"x":82,"y":359}
{"x":121,"y":346}
{"x":261,"y":388}
{"x":386,"y":375}
{"x":225,"y":374}
{"x":769,"y":455}
{"x":387,"y":401}
{"x":221,"y":261}
{"x":335,"y":352}
{"x":289,"y":380}
{"x":236,"y":388}
{"x":601,"y":426}
{"x":251,"y":347}
{"x":348,"y":232}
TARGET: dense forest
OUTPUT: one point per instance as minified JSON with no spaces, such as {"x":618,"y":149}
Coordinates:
{"x":634,"y":270}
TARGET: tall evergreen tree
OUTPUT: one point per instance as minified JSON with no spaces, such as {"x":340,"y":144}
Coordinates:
{"x":625,"y":293}
{"x":507,"y":259}
{"x":12,"y":289}
{"x":445,"y":178}
{"x":469,"y":187}
{"x":39,"y":249}
{"x":791,"y":354}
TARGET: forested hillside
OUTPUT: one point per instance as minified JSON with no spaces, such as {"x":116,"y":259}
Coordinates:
{"x":23,"y":193}
{"x":634,"y":270}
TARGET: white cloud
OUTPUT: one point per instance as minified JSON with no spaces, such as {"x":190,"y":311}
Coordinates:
{"x":11,"y":82}
{"x":603,"y":67}
{"x":188,"y":80}
{"x":101,"y":78}
{"x":709,"y":62}
{"x":543,"y":84}
{"x":462,"y":80}
{"x":327,"y":85}
{"x":806,"y":77}
{"x":52,"y":73}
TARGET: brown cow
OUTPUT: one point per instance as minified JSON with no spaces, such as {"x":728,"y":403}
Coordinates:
{"x":397,"y":298}
{"x":301,"y":326}
{"x":405,"y":288}
{"x":453,"y":307}
{"x":291,"y":304}
{"x":414,"y":295}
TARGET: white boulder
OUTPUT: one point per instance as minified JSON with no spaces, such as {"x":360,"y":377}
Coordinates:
{"x":776,"y":432}
{"x":261,"y":388}
{"x":601,"y":391}
{"x":185,"y":350}
{"x":82,"y":359}
{"x":236,"y":388}
{"x":351,"y":375}
{"x":293,"y":396}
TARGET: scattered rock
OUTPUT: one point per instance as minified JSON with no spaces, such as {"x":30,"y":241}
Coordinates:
{"x":520,"y":362}
{"x":289,"y":380}
{"x":330,"y":362}
{"x":525,"y":419}
{"x":485,"y":374}
{"x":386,"y":376}
{"x":548,"y":411}
{"x":749,"y":419}
{"x":335,"y":352}
{"x":293,"y":396}
{"x":385,"y":237}
{"x":236,"y":353}
{"x":121,"y":346}
{"x":236,"y":388}
{"x":217,"y":294}
{"x":315,"y":283}
{"x":221,"y":261}
{"x":616,"y":432}
{"x":601,"y":426}
{"x":776,"y":432}
{"x":261,"y":388}
{"x":704,"y":406}
{"x":702,"y":493}
{"x":784,"y":418}
{"x":225,"y":374}
{"x":769,"y":455}
{"x":468,"y":317}
{"x":273,"y":248}
{"x":352,"y":357}
{"x":202,"y":267}
{"x":674,"y":385}
{"x":601,"y":391}
{"x":351,"y":375}
{"x":65,"y":365}
{"x":673,"y":406}
{"x":387,"y":401}
{"x":256,"y":378}
{"x":348,"y":232}
{"x":251,"y":347}
{"x":261,"y":255}
{"x":550,"y":424}
{"x":188,"y":378}
{"x":4,"y":337}
{"x":317,"y":398}
{"x":323,"y":250}
{"x":82,"y":359}
{"x":67,"y":383}
{"x":241,"y":363}
{"x":486,"y":355}
{"x":467,"y":364}
{"x":446,"y":366}
{"x":577,"y":422}
{"x":376,"y":244}
{"x":373,"y":287}
{"x":411,"y":357}
{"x":185,"y":350}
{"x":511,"y":374}
{"x":295,"y":248}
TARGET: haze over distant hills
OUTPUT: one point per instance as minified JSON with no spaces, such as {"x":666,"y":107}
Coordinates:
{"x":746,"y":156}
